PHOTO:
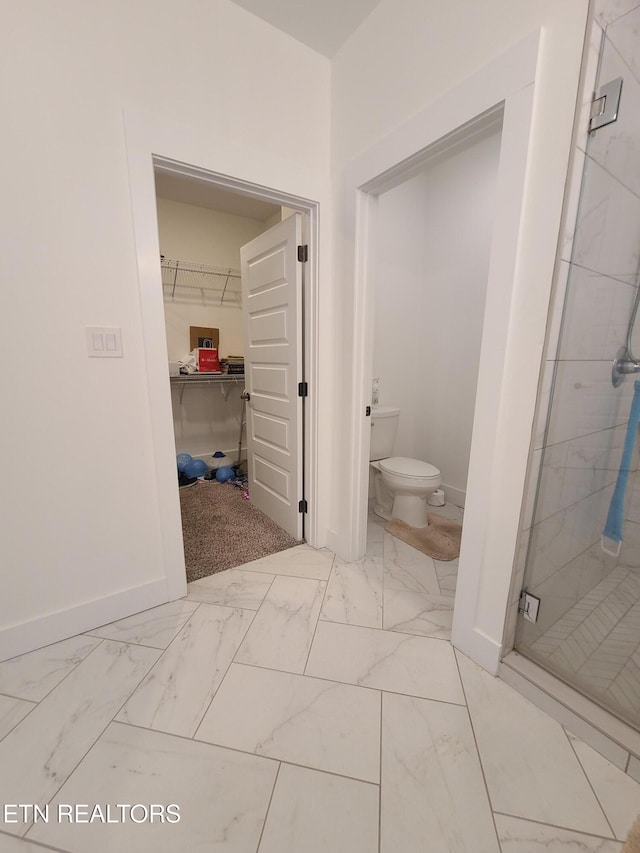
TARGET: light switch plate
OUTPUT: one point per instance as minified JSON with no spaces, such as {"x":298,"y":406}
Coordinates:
{"x":104,"y":342}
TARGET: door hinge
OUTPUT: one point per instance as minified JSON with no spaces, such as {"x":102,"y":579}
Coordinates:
{"x":529,"y":606}
{"x":303,"y":254}
{"x":303,"y":389}
{"x":302,"y":505}
{"x":367,"y":412}
{"x":605,"y":104}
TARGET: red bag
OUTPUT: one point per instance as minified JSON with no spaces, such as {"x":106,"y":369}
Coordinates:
{"x":207,"y":360}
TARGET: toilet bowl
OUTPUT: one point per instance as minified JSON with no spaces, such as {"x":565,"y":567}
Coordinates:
{"x":402,"y":485}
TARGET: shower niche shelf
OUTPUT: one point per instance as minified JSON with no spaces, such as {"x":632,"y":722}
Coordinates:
{"x":185,"y":281}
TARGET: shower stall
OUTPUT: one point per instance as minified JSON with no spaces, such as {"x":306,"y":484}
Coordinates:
{"x":579,"y":614}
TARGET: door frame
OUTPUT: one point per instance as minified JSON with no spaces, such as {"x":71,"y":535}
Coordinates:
{"x":523,"y":253}
{"x":154,"y":142}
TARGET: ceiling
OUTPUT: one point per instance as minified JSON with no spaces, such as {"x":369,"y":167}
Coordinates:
{"x":192,"y":190}
{"x":323,"y":26}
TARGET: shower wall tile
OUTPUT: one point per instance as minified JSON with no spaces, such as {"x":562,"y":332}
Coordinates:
{"x":630,"y":551}
{"x":558,"y":595}
{"x":585,"y":401}
{"x":633,"y":504}
{"x":592,"y":463}
{"x":623,"y":34}
{"x":574,"y":470}
{"x":561,"y":539}
{"x":607,"y":237}
{"x":596,"y":316}
{"x":590,"y":517}
{"x":552,"y":547}
{"x":607,"y":11}
{"x":596,"y":566}
{"x":553,"y":468}
{"x":616,"y":147}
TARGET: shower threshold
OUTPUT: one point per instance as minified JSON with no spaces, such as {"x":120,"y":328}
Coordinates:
{"x":617,"y":741}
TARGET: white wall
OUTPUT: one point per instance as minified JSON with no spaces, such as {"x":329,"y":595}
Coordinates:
{"x":80,"y":518}
{"x":432,"y":244}
{"x":202,"y":236}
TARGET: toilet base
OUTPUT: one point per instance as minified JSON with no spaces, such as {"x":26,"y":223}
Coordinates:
{"x":412,"y":509}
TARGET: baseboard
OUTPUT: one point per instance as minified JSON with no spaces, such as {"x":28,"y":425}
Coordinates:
{"x":453,"y":495}
{"x":332,"y":540}
{"x":36,"y":633}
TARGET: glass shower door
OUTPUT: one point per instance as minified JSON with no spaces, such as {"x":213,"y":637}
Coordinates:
{"x":588,"y":625}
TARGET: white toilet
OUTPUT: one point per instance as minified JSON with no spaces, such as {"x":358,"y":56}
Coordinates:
{"x":402,"y":485}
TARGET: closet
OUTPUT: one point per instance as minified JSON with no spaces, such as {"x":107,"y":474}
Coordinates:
{"x":201,"y":229}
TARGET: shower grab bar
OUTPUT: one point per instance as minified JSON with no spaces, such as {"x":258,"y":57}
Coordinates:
{"x":623,"y":365}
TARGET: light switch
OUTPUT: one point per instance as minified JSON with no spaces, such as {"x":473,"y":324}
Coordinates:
{"x":104,"y":342}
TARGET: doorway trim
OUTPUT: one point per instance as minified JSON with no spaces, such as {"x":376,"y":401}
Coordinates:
{"x":153,"y":141}
{"x":504,"y":407}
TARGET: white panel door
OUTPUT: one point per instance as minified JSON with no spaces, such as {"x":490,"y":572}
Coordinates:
{"x":272,"y":309}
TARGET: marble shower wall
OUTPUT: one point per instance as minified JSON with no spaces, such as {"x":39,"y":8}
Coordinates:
{"x":581,"y":419}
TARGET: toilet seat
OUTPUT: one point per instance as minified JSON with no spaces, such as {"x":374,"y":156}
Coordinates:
{"x":402,"y":466}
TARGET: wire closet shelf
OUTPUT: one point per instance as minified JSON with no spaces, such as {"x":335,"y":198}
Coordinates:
{"x":185,"y":281}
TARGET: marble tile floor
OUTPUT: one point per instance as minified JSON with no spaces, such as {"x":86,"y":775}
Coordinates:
{"x":297,"y":704}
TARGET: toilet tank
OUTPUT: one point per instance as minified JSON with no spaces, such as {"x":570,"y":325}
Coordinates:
{"x":384,"y":425}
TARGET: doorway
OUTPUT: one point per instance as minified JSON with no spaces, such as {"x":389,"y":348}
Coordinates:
{"x":146,"y":137}
{"x":223,"y":415}
{"x":431,"y":248}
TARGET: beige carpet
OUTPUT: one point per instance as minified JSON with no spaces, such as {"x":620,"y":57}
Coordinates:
{"x":221,"y":529}
{"x":632,"y":844}
{"x":440,"y":539}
